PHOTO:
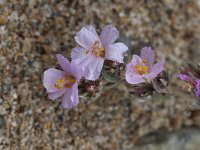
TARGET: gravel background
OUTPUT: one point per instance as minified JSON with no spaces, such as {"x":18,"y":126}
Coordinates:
{"x":33,"y":31}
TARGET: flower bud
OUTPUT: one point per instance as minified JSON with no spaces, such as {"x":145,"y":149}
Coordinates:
{"x":89,"y":88}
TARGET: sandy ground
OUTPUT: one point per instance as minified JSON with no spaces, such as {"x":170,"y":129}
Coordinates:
{"x":33,"y":31}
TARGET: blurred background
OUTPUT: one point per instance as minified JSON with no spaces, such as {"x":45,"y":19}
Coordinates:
{"x":33,"y":31}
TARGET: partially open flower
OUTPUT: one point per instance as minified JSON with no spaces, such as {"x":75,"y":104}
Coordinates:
{"x":191,"y":74}
{"x":142,"y":69}
{"x":192,"y":83}
{"x":92,"y":50}
{"x":63,"y":83}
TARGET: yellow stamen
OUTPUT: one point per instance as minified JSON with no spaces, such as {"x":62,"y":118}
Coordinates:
{"x":58,"y":86}
{"x":141,"y":69}
{"x":71,"y":80}
{"x":137,"y":66}
{"x":60,"y":83}
{"x":98,"y":50}
{"x":144,"y":61}
{"x":145,"y":68}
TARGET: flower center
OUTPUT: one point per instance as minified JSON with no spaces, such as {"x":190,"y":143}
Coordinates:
{"x":142,"y":69}
{"x":66,"y":82}
{"x":98,"y":49}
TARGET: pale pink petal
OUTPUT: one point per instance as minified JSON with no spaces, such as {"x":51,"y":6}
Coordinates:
{"x":71,"y":99}
{"x":135,"y":79}
{"x":131,"y":76}
{"x":77,"y":53}
{"x":108,"y":35}
{"x":90,"y":64}
{"x":156,"y":69}
{"x":64,"y":63}
{"x":50,"y":77}
{"x":76,"y":71}
{"x":57,"y":94}
{"x":183,"y":77}
{"x":80,"y":58}
{"x":197,"y":88}
{"x":136,"y":60}
{"x":148,"y":55}
{"x":116,"y":52}
{"x":85,"y":38}
{"x":93,"y":69}
{"x":91,"y":29}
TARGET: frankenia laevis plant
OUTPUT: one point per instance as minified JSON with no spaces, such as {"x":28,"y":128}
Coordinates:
{"x":142,"y":69}
{"x":88,"y":60}
{"x":63,"y":83}
{"x":194,"y":83}
{"x":92,"y":50}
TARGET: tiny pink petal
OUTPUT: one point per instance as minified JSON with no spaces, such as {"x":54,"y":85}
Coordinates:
{"x":132,"y":77}
{"x":50,"y":77}
{"x":71,"y":99}
{"x":156,"y":69}
{"x":197,"y":88}
{"x":76,"y":71}
{"x":115,"y":52}
{"x":148,"y":55}
{"x":92,"y":72}
{"x":91,"y":29}
{"x":78,"y":52}
{"x":90,"y":65}
{"x":85,"y":38}
{"x":136,"y":60}
{"x":108,"y":35}
{"x":57,"y":94}
{"x":183,"y":77}
{"x":64,"y":63}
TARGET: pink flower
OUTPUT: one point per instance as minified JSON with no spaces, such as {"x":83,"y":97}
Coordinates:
{"x":58,"y":83}
{"x":194,"y":82}
{"x":142,"y":69}
{"x":92,"y":50}
{"x":197,"y":88}
{"x":184,"y":77}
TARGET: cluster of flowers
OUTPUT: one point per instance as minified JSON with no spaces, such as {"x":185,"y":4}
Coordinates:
{"x":88,"y":60}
